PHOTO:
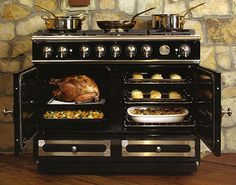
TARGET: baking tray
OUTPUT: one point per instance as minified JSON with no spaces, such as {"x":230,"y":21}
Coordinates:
{"x":164,"y":118}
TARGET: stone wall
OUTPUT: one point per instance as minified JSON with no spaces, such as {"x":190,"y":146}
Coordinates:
{"x":215,"y":22}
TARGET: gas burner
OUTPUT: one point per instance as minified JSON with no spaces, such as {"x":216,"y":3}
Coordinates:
{"x":60,"y":32}
{"x":116,"y":32}
{"x":171,"y":32}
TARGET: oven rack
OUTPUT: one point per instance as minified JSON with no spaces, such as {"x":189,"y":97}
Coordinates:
{"x":185,"y":123}
{"x":186,"y":99}
{"x":148,"y":81}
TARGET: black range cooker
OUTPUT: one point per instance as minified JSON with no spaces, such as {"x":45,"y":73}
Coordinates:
{"x":121,"y":64}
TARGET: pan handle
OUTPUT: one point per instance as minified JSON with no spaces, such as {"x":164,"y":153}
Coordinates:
{"x":132,"y":20}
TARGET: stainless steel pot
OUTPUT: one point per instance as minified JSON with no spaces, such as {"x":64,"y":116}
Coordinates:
{"x":167,"y":21}
{"x":171,"y":21}
{"x":63,"y":23}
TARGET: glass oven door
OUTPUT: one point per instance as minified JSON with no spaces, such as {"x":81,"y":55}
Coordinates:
{"x":207,"y":93}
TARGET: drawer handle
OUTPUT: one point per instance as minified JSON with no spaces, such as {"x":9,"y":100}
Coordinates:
{"x":74,"y":148}
{"x":158,"y":149}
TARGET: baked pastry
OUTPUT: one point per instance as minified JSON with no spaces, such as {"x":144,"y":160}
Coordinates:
{"x":155,"y":94}
{"x":174,"y":95}
{"x":204,"y":77}
{"x":137,"y":76}
{"x":156,"y":76}
{"x":175,"y":76}
{"x":136,"y":94}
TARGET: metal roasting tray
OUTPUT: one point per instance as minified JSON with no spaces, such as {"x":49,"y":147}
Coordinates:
{"x":57,"y":102}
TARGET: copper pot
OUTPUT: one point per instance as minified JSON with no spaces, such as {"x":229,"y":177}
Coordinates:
{"x":62,"y":23}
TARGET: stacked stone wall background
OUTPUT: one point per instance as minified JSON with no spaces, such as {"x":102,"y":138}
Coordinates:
{"x":215,"y":22}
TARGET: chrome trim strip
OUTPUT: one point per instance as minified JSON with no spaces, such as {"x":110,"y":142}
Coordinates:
{"x":120,"y":61}
{"x":87,"y":38}
{"x":106,"y":143}
{"x":125,"y":153}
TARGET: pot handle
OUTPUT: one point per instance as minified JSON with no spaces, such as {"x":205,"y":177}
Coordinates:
{"x":83,"y":19}
{"x":185,"y":12}
{"x":44,"y":17}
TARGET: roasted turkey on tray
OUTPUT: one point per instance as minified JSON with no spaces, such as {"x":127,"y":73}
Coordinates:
{"x":76,"y":88}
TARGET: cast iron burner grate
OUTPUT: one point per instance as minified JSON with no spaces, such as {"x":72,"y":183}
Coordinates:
{"x":171,"y":32}
{"x":116,"y":32}
{"x":60,"y":32}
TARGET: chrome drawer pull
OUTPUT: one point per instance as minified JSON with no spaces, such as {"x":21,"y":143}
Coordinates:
{"x":158,"y":149}
{"x":74,"y":149}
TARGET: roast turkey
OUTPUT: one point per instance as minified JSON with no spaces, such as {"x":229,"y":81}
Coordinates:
{"x":75,"y":88}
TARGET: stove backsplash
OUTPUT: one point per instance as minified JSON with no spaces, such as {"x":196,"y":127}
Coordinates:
{"x":215,"y":22}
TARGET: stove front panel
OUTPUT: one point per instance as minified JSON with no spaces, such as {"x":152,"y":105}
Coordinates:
{"x":117,"y":49}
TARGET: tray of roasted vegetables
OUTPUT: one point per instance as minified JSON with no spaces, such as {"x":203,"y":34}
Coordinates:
{"x":74,"y":114}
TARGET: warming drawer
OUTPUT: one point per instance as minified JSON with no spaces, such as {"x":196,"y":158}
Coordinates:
{"x":98,"y":148}
{"x":158,"y":148}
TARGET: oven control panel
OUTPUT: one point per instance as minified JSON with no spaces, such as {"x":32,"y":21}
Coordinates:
{"x":117,"y":51}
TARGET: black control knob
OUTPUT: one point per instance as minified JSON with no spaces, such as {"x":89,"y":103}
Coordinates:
{"x":100,"y":51}
{"x":47,"y":51}
{"x":115,"y":51}
{"x":184,"y":50}
{"x":84,"y":50}
{"x":131,"y":50}
{"x":63,"y":51}
{"x":146,"y":50}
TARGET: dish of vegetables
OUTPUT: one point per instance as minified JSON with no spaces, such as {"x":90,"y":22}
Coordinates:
{"x":74,"y":114}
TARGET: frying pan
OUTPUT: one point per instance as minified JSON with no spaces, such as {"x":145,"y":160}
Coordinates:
{"x":125,"y":25}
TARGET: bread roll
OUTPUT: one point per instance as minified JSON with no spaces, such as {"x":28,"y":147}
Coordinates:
{"x":155,"y":94}
{"x":174,"y":95}
{"x":156,"y":76}
{"x":137,"y":76}
{"x":136,"y":94}
{"x":175,"y":76}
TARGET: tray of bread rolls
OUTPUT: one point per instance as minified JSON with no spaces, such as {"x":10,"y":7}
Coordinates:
{"x":154,"y":96}
{"x":155,"y":78}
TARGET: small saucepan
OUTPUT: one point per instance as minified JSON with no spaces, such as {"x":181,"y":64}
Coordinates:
{"x":62,"y":23}
{"x":171,"y":21}
{"x":125,"y":25}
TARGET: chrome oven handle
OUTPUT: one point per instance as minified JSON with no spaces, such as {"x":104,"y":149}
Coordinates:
{"x":6,"y":112}
{"x":228,"y":111}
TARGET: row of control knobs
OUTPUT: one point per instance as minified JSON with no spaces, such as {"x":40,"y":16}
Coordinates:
{"x":115,"y":50}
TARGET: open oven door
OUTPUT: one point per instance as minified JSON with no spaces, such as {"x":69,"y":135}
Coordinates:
{"x":28,"y":90}
{"x":207,"y":91}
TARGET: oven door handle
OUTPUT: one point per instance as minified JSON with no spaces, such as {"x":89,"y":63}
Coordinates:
{"x":228,"y":111}
{"x":6,"y":112}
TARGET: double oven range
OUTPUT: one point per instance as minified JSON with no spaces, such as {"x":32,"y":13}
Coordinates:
{"x":116,"y":143}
